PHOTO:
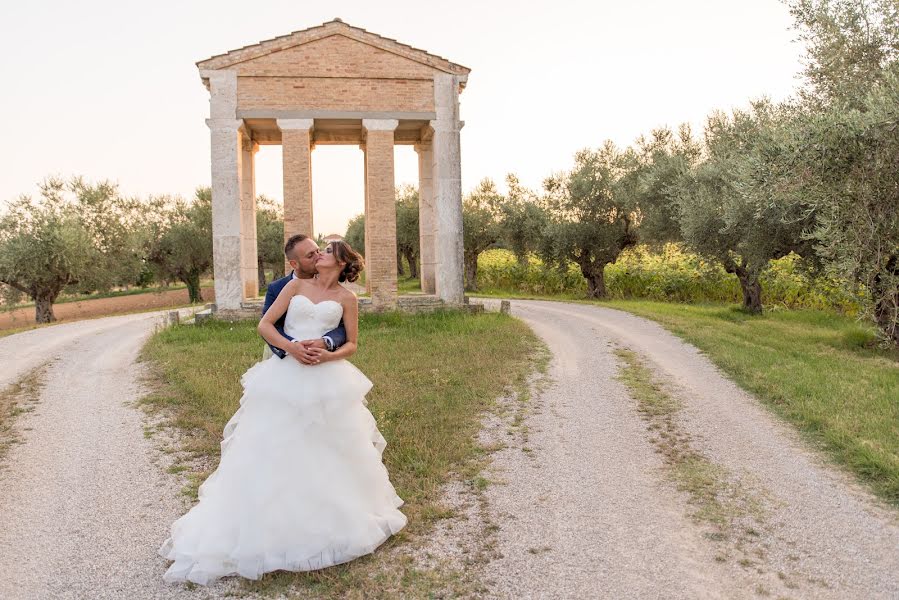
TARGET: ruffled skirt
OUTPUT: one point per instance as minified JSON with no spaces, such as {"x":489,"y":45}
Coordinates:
{"x":300,"y":485}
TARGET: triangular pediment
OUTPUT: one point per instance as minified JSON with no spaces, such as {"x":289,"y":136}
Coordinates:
{"x":337,"y":49}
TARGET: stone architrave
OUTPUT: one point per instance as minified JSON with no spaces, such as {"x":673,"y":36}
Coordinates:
{"x":336,"y":84}
{"x":426,"y":220}
{"x":380,"y":214}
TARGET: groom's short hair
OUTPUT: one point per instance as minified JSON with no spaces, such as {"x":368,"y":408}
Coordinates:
{"x":291,"y":242}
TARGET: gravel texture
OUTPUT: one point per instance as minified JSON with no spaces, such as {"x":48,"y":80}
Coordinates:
{"x":85,"y":501}
{"x":585,"y":508}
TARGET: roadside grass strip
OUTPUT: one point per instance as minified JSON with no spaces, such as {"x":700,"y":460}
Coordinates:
{"x":731,"y":514}
{"x":18,"y":398}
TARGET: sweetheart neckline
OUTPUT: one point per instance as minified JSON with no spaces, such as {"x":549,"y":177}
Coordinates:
{"x":314,"y":303}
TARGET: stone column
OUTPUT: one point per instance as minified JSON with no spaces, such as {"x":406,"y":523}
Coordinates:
{"x":448,"y":189}
{"x":248,"y":247}
{"x":296,"y":143}
{"x":225,"y":138}
{"x":380,"y":213}
{"x":426,"y":217}
{"x":365,"y":183}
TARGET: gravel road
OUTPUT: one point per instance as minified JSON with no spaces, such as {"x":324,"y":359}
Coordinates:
{"x":84,"y":500}
{"x":588,"y":510}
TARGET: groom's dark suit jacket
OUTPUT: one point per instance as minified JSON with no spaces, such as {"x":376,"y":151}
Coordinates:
{"x":338,"y":336}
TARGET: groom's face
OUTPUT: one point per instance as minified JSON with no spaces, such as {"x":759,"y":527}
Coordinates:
{"x":305,"y":255}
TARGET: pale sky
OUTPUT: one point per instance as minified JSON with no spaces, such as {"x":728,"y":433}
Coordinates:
{"x":109,"y":89}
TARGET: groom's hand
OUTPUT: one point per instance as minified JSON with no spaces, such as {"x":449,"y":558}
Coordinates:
{"x":316,"y":343}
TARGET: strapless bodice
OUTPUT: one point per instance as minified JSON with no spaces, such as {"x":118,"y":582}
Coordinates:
{"x":307,"y":320}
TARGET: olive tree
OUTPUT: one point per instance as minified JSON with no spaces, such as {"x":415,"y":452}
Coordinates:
{"x":181,"y":244}
{"x":846,"y":172}
{"x":269,"y":239}
{"x":407,"y":233}
{"x":79,"y":236}
{"x":725,"y":215}
{"x":522,"y":220}
{"x":481,"y":228}
{"x":592,"y":213}
{"x":355,"y":234}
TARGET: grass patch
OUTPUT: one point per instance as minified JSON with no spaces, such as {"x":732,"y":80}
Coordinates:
{"x":19,"y":397}
{"x":822,"y":372}
{"x":433,"y":376}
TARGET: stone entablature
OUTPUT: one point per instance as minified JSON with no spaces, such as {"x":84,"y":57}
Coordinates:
{"x":336,"y":84}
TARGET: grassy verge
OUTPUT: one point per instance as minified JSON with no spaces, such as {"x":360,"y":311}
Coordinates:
{"x":18,"y":398}
{"x":819,"y":370}
{"x":433,"y":375}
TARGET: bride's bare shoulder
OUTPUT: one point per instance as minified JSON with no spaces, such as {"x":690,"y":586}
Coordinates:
{"x":346,"y":296}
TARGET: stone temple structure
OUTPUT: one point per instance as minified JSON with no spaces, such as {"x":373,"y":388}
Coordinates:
{"x":336,"y":84}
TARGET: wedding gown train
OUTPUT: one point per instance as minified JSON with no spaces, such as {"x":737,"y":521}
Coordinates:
{"x":300,"y":485}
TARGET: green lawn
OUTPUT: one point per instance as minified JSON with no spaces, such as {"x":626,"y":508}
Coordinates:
{"x":433,"y":375}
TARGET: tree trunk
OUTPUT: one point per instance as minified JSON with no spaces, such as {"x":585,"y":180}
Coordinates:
{"x":471,"y":273}
{"x":752,"y":290}
{"x":886,"y":301}
{"x":596,"y":282}
{"x":413,"y":264}
{"x":400,"y":270}
{"x":522,"y":259}
{"x":193,"y":287}
{"x":260,"y":271}
{"x":43,"y":308}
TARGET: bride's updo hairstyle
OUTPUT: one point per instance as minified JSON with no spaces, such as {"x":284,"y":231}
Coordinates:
{"x":344,"y":253}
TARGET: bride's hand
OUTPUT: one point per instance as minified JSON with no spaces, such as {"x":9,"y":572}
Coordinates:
{"x":319,"y":355}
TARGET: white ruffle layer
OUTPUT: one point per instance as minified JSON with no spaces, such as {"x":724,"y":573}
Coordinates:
{"x":300,"y":485}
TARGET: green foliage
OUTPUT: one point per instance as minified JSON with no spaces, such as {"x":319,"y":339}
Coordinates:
{"x":846,"y":173}
{"x":592,"y":213}
{"x":481,"y":227}
{"x":269,"y":239}
{"x":663,"y":160}
{"x":724,"y":215}
{"x":407,"y":230}
{"x":670,"y":274}
{"x":522,"y":220}
{"x":355,"y":234}
{"x":181,"y":243}
{"x":850,"y":44}
{"x":79,"y":236}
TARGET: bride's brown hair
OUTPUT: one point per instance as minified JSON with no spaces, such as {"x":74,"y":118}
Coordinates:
{"x":344,"y":253}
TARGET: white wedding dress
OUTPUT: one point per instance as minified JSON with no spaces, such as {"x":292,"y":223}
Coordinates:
{"x":300,"y":485}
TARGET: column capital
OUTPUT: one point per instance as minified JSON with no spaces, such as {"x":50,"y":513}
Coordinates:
{"x":302,"y":124}
{"x":248,"y":145}
{"x":380,"y":124}
{"x":423,"y":147}
{"x":452,"y":125}
{"x":225,"y":124}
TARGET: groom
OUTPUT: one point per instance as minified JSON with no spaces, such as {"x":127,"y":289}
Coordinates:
{"x":302,"y":253}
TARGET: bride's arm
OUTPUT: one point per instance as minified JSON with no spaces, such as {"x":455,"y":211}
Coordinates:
{"x":351,"y":323}
{"x":267,"y":328}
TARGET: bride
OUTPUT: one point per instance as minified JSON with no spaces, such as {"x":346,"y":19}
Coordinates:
{"x":300,"y":485}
